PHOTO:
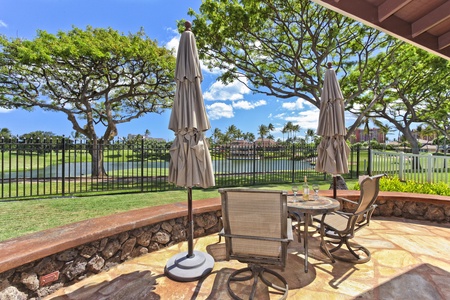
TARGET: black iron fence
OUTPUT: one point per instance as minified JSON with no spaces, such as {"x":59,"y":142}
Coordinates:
{"x":63,"y":167}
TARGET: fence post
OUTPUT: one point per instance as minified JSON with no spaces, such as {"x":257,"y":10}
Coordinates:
{"x":358,"y":155}
{"x":293,"y":162}
{"x":254,"y":163}
{"x":401,"y":165}
{"x":430,"y":168}
{"x":142,"y":164}
{"x":63,"y":167}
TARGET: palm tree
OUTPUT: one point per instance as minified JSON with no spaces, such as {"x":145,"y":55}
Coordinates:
{"x":249,"y":136}
{"x":288,"y":128}
{"x":238,"y":134}
{"x":231,"y":132}
{"x":295,"y":128}
{"x":262,"y":131}
{"x":283,"y":131}
{"x":217,"y":133}
{"x":309,"y":135}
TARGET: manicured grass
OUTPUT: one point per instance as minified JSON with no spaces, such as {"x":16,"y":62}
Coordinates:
{"x":18,"y":218}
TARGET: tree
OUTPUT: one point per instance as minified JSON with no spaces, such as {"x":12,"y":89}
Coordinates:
{"x":231,"y":132}
{"x":309,"y":135}
{"x":249,"y":137}
{"x":98,"y":77}
{"x":263,"y":131}
{"x":288,"y":128}
{"x":415,"y":88}
{"x":281,"y":47}
{"x":217,"y":135}
{"x":41,"y":142}
{"x":437,"y":111}
{"x":5,"y":133}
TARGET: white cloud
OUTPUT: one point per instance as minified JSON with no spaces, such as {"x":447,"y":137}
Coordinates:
{"x":247,"y":105}
{"x":4,"y":110}
{"x":3,"y":24}
{"x":233,"y":91}
{"x":219,"y":110}
{"x":173,"y":44}
{"x":306,"y":119}
{"x":299,"y":104}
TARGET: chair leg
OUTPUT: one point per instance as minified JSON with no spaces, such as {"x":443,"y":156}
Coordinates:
{"x":352,"y":248}
{"x":257,"y":272}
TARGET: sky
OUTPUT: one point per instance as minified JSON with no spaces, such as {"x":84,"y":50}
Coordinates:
{"x":225,"y":105}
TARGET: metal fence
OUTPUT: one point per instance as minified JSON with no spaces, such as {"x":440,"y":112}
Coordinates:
{"x":421,"y":168}
{"x":62,"y":167}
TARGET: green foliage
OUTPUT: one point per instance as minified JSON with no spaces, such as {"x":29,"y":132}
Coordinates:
{"x":95,"y":76}
{"x":393,"y":184}
{"x":282,"y":46}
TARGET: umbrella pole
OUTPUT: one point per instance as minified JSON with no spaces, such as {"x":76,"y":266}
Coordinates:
{"x":190,"y":234}
{"x":334,"y":186}
{"x":189,"y":265}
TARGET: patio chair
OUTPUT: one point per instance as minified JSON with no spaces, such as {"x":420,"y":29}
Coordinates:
{"x":338,"y":228}
{"x":257,"y":231}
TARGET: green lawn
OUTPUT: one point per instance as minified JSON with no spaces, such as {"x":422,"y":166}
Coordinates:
{"x":18,"y":218}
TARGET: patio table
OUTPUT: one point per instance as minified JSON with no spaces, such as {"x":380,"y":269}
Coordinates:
{"x":310,"y":208}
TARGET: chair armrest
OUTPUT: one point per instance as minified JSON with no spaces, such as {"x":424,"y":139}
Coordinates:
{"x":259,"y":238}
{"x":290,"y":233}
{"x":347,"y":200}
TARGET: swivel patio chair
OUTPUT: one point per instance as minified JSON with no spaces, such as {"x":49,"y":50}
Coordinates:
{"x":338,"y":228}
{"x":257,"y":231}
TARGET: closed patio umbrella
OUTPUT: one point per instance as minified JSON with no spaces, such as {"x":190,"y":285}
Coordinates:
{"x":333,"y":151}
{"x":190,"y":161}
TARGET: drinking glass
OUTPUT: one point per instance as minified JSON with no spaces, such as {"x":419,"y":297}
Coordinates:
{"x":315,"y":188}
{"x":295,"y":190}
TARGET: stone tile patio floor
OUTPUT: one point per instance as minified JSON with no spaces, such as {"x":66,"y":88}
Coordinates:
{"x":410,"y":260}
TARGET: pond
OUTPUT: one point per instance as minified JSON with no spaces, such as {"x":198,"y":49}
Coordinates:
{"x":124,"y":168}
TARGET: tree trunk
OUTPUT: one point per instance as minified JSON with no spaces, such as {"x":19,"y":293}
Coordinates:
{"x":414,"y":149}
{"x":98,"y":169}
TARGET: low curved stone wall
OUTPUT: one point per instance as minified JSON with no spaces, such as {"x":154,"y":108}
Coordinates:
{"x":405,"y":205}
{"x":43,"y":276}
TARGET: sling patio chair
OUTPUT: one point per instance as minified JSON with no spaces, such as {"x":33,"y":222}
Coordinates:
{"x":257,"y":231}
{"x":338,"y":228}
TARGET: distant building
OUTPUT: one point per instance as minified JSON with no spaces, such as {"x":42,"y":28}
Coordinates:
{"x":265,"y":142}
{"x":374,"y":134}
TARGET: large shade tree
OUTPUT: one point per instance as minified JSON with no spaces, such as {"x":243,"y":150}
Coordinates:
{"x":413,"y":88}
{"x":282,"y":47}
{"x":98,"y":77}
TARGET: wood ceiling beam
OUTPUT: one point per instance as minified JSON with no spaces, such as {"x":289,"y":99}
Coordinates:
{"x":390,"y":7}
{"x":433,"y":18}
{"x":444,"y":41}
{"x":367,"y":13}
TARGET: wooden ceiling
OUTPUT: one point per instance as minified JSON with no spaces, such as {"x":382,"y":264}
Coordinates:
{"x":424,"y":23}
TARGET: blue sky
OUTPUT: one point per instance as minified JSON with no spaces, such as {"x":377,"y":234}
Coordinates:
{"x":226,"y":105}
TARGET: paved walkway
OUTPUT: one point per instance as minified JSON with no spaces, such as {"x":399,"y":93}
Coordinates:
{"x":410,"y":260}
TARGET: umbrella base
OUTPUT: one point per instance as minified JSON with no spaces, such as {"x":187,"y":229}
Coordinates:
{"x":180,"y":267}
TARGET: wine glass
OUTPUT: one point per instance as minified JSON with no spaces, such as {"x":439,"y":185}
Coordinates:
{"x":315,"y":188}
{"x":295,"y":190}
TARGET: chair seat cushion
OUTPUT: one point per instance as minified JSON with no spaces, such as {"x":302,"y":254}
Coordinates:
{"x":336,"y":221}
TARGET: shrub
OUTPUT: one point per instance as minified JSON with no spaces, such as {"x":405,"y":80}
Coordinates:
{"x":393,"y":184}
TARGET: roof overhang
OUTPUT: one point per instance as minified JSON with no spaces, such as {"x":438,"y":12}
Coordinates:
{"x":424,"y":23}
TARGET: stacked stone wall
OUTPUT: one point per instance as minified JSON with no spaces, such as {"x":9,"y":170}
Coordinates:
{"x":36,"y":280}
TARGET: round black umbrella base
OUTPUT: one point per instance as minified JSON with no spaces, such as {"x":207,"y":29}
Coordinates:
{"x":180,"y":267}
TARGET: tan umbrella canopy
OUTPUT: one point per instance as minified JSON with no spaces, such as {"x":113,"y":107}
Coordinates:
{"x":190,"y":161}
{"x":333,"y":151}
